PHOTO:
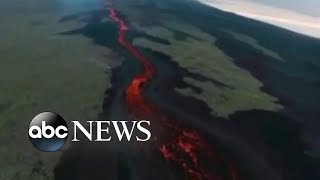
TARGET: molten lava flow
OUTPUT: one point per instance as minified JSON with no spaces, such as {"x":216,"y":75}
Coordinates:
{"x":184,"y":148}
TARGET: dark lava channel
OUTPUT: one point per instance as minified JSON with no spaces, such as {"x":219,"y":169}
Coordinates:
{"x":95,"y":161}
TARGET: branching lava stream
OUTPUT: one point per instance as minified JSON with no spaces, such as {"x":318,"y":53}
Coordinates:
{"x":184,"y":149}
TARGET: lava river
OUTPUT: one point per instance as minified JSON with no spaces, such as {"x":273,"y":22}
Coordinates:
{"x":184,"y":148}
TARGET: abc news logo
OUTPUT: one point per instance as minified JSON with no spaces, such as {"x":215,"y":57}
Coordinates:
{"x":48,"y":131}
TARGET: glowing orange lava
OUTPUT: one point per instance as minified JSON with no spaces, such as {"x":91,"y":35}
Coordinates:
{"x":185,"y":148}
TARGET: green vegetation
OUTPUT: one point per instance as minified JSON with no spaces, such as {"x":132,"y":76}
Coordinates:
{"x":197,"y":53}
{"x":252,"y":42}
{"x":43,"y":71}
{"x":242,"y":91}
